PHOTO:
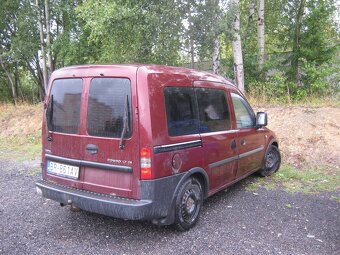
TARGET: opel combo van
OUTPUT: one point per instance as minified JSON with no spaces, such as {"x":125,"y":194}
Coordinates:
{"x":148,"y":142}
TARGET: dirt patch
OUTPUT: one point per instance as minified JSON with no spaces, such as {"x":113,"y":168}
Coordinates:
{"x":307,"y":136}
{"x":22,"y":120}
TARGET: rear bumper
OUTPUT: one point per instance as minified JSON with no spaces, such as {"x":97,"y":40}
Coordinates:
{"x":156,"y":202}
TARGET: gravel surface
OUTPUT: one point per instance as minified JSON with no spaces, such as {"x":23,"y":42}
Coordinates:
{"x":232,"y":222}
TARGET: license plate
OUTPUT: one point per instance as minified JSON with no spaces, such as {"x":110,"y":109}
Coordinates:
{"x":63,"y":170}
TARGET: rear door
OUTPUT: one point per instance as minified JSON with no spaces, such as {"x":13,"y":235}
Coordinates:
{"x":62,"y":150}
{"x":110,"y":143}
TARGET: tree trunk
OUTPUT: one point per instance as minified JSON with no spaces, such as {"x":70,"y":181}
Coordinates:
{"x":237,"y":48}
{"x":192,"y":52}
{"x":10,"y":81}
{"x":42,"y":45}
{"x":296,"y":42}
{"x":48,"y":39}
{"x":260,"y":34}
{"x":17,"y":82}
{"x":216,"y":55}
{"x":251,"y":11}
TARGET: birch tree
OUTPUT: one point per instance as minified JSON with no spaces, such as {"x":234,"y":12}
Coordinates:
{"x":216,"y":52}
{"x":237,"y":46}
{"x":216,"y":56}
{"x":260,"y":34}
{"x":42,"y":42}
{"x":48,"y":39}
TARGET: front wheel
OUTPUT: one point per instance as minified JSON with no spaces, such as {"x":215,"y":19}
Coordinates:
{"x":272,"y":161}
{"x":188,"y":204}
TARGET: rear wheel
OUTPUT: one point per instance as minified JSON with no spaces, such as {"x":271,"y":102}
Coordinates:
{"x":188,"y":204}
{"x":272,"y":161}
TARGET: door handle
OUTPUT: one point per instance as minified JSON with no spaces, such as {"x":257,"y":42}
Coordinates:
{"x":92,"y":148}
{"x":233,"y":144}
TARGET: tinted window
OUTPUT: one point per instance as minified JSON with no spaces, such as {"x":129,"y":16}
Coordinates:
{"x":213,"y":110}
{"x":181,"y":111}
{"x":243,"y":112}
{"x":109,"y":107}
{"x":63,"y":113}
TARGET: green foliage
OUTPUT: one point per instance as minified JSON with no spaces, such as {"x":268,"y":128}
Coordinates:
{"x":129,"y":31}
{"x":317,"y":47}
{"x":166,"y":32}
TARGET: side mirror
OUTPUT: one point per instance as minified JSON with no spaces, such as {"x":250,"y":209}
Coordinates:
{"x":261,"y":119}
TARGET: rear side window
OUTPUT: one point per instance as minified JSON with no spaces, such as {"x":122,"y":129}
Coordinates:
{"x":213,"y":110}
{"x":63,"y":113}
{"x":243,"y":112}
{"x":109,"y":107}
{"x":181,"y":111}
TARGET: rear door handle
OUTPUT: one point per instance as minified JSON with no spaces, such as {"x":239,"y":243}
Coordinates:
{"x":92,"y":148}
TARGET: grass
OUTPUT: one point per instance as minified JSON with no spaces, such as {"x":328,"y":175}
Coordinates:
{"x":20,"y":131}
{"x":20,"y":148}
{"x":309,"y":181}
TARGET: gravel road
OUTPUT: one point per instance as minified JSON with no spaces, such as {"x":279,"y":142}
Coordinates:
{"x":232,"y":222}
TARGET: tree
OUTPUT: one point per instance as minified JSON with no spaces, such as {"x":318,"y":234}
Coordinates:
{"x":42,"y":43}
{"x":260,"y":34}
{"x":237,"y":47}
{"x":133,"y":31}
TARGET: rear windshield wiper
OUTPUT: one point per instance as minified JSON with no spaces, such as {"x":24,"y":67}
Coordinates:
{"x":49,"y":117}
{"x":125,"y":123}
{"x":50,"y":113}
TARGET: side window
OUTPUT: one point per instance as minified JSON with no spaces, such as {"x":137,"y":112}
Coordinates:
{"x":243,"y":112}
{"x":63,"y":113}
{"x":181,"y":111}
{"x":109,"y":107}
{"x":213,"y":110}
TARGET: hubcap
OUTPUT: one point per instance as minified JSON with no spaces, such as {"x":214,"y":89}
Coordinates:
{"x":190,"y":205}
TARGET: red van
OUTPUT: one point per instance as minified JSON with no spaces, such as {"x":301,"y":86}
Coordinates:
{"x":148,"y":142}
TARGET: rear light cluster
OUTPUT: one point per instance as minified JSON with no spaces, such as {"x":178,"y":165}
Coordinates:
{"x":145,"y":164}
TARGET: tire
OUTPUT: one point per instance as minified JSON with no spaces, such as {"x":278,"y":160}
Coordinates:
{"x":271,"y":162}
{"x":188,"y":204}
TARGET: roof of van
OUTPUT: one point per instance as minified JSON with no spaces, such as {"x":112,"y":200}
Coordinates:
{"x":148,"y":68}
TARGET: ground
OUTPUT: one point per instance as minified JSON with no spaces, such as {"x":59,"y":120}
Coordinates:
{"x":275,"y":215}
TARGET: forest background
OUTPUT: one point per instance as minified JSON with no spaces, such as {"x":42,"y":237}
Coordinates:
{"x":276,"y":51}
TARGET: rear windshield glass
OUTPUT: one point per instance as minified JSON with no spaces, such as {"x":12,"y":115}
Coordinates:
{"x":181,"y":111}
{"x":109,"y":107}
{"x":63,"y":112}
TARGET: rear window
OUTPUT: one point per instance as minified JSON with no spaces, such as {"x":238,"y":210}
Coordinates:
{"x":181,"y":111}
{"x":109,"y":107}
{"x":64,"y":107}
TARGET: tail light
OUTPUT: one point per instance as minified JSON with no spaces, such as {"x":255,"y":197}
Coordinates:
{"x":145,"y":164}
